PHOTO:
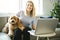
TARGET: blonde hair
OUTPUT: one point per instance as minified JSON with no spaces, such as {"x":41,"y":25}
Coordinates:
{"x":33,"y":10}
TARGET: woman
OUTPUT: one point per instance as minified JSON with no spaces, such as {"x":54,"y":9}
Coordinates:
{"x":28,"y":22}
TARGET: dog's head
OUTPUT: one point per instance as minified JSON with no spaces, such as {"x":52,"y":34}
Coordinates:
{"x":13,"y":20}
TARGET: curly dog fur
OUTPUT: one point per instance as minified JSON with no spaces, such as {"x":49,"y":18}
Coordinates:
{"x":13,"y":23}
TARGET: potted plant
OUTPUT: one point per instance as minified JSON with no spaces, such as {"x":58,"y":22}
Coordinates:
{"x":55,"y":12}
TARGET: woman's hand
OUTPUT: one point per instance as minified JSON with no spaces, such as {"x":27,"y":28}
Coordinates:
{"x":33,"y":27}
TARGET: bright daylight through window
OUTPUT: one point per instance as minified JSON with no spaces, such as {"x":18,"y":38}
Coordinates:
{"x":11,"y":7}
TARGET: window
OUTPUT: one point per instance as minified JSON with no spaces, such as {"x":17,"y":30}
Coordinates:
{"x":9,"y":6}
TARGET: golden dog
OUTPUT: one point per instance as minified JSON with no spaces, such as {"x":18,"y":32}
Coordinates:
{"x":13,"y":23}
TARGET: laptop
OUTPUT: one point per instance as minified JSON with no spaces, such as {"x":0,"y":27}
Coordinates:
{"x":46,"y":25}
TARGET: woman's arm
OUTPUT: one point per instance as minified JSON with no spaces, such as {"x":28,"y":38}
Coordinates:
{"x":34,"y":22}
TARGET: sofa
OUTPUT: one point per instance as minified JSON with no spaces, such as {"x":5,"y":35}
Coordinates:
{"x":3,"y":21}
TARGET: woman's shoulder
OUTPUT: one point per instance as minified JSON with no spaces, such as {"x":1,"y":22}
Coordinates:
{"x":20,"y":13}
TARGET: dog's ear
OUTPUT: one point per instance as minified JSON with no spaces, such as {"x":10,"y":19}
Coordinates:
{"x":18,"y":20}
{"x":19,"y":23}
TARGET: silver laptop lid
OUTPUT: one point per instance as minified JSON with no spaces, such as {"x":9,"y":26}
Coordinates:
{"x":46,"y":25}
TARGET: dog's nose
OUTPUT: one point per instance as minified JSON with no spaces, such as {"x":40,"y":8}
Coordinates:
{"x":12,"y":21}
